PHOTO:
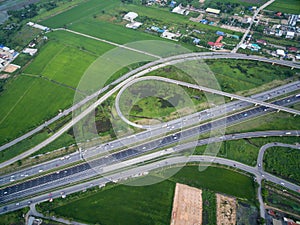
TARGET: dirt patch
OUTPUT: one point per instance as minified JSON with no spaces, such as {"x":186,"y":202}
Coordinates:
{"x":226,"y":210}
{"x":187,"y":205}
{"x":11,"y":68}
{"x":4,"y":76}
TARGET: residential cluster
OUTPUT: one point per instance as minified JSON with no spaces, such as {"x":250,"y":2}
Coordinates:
{"x":276,"y":25}
{"x":278,"y":218}
{"x":7,"y":55}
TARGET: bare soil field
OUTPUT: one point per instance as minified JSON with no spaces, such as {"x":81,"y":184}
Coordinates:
{"x":226,"y":210}
{"x":11,"y":68}
{"x":187,"y":206}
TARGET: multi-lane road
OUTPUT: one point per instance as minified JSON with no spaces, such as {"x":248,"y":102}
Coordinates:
{"x":176,"y":124}
{"x":157,"y":132}
{"x":87,"y":170}
{"x":163,"y":62}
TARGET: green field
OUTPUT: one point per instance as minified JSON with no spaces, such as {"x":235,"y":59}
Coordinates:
{"x":47,"y":84}
{"x":245,"y":150}
{"x":218,"y":180}
{"x":103,"y":19}
{"x":15,"y":218}
{"x":124,"y":205}
{"x":285,"y":6}
{"x":241,"y":75}
{"x":273,"y":121}
{"x":27,"y":102}
{"x":283,"y":162}
{"x":209,"y":207}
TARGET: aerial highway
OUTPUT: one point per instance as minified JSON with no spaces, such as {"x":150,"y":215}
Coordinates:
{"x":197,"y":87}
{"x":186,"y":57}
{"x":176,"y":124}
{"x":91,"y":168}
{"x":155,"y":132}
{"x":141,"y":170}
{"x":203,"y":55}
{"x":171,"y":125}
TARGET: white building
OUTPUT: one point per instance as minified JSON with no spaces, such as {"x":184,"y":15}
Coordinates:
{"x":280,"y":52}
{"x":130,"y":16}
{"x":30,"y":51}
{"x":179,"y":10}
{"x":213,"y":11}
{"x":134,"y":25}
{"x":171,"y":36}
{"x":290,"y":35}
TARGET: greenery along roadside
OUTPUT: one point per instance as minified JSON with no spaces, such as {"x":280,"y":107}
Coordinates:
{"x":125,"y":204}
{"x":283,"y":162}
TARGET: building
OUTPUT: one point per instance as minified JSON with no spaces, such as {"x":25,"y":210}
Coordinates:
{"x":261,"y":42}
{"x":130,"y":16}
{"x":196,"y":41}
{"x":38,"y":26}
{"x":134,"y":25}
{"x":217,"y":44}
{"x":179,"y":10}
{"x":290,"y":35}
{"x":292,"y":49}
{"x":293,"y":20}
{"x":171,"y":36}
{"x":280,"y":52}
{"x":220,"y":33}
{"x":30,"y":51}
{"x":213,"y":11}
{"x":255,"y":47}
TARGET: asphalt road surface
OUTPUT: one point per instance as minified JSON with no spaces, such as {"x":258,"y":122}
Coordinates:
{"x":205,"y":55}
{"x":192,"y":56}
{"x":157,"y":132}
{"x":78,"y":172}
{"x":138,"y":171}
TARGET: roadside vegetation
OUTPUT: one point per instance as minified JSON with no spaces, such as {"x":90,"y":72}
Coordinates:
{"x":276,"y":196}
{"x":15,"y":218}
{"x":209,"y":207}
{"x":148,"y":204}
{"x":245,"y":150}
{"x":271,"y":121}
{"x":287,"y":6}
{"x":283,"y":162}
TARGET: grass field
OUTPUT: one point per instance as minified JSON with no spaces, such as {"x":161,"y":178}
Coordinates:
{"x":15,"y":217}
{"x":103,"y":19}
{"x":22,"y":110}
{"x":29,"y":99}
{"x":218,"y":180}
{"x":241,"y":75}
{"x":124,"y":205}
{"x":209,"y":207}
{"x":283,"y":162}
{"x":147,"y":204}
{"x":285,"y":6}
{"x":273,"y":121}
{"x":245,"y":150}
